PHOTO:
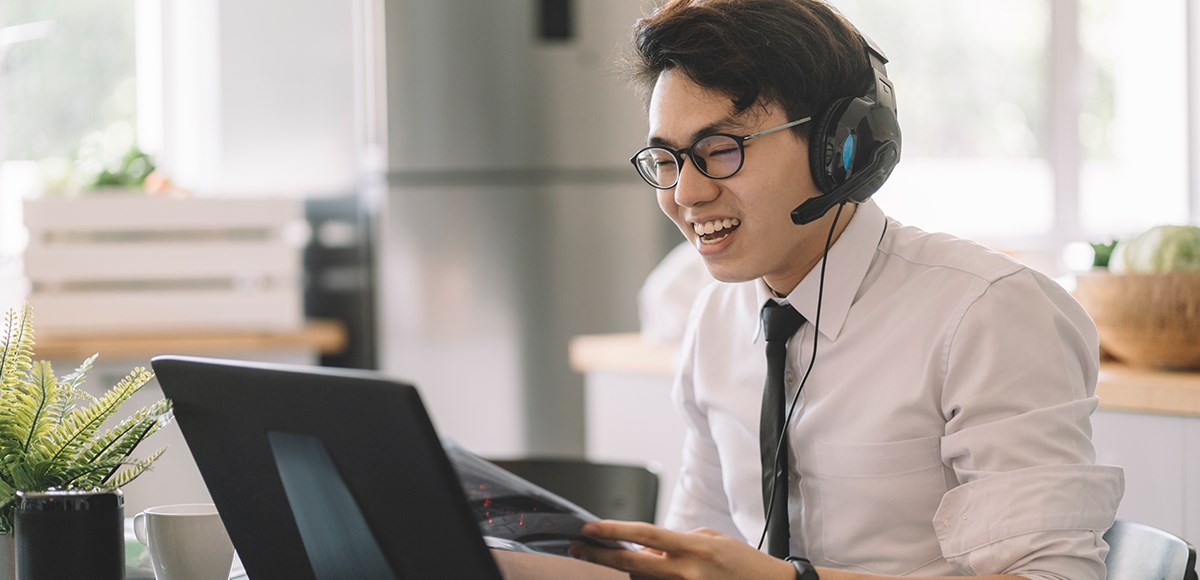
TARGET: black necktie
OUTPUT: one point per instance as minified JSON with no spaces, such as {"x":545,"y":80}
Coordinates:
{"x":780,"y":322}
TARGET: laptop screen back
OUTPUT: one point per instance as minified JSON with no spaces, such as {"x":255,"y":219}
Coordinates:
{"x":324,"y":473}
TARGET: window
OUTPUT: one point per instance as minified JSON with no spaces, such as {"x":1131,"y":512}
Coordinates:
{"x":1029,"y":124}
{"x":67,"y":84}
{"x":1133,"y":122}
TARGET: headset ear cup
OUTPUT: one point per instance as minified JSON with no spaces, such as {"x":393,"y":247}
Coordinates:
{"x":821,"y":147}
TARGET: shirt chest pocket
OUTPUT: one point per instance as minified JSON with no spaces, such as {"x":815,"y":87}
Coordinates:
{"x":878,"y":502}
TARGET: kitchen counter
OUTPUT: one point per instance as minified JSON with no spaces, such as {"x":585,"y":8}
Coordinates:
{"x":624,"y":353}
{"x":1120,"y":387}
{"x":175,"y":478}
{"x":319,"y":336}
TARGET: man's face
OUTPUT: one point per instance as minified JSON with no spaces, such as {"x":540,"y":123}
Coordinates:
{"x":773,"y":180}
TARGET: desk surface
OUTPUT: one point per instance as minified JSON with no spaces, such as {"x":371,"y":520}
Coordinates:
{"x":137,"y":559}
{"x":513,"y":565}
{"x":323,"y":336}
{"x":1120,"y":387}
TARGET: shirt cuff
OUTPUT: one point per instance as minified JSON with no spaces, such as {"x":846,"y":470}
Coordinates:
{"x":988,"y":512}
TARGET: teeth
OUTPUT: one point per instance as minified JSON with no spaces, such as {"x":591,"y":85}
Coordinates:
{"x":711,"y":227}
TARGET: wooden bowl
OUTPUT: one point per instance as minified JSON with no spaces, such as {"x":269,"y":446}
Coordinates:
{"x":1145,"y":320}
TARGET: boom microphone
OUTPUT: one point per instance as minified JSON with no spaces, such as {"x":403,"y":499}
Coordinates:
{"x":857,"y":189}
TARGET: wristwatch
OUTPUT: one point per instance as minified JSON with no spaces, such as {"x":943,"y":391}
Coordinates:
{"x":804,"y":568}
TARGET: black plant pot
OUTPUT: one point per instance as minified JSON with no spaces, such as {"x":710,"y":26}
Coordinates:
{"x":70,"y":534}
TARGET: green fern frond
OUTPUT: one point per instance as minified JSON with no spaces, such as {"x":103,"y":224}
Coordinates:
{"x":7,"y":491}
{"x":23,"y":476}
{"x":16,"y":350}
{"x":127,"y":475}
{"x":27,"y":403}
{"x":13,"y":433}
{"x":73,"y":383}
{"x":70,"y":476}
{"x":8,"y":495}
{"x":76,"y":378}
{"x":63,"y":444}
{"x":137,"y":426}
{"x":45,"y":395}
{"x":104,"y":474}
{"x":16,"y":355}
{"x":119,"y":442}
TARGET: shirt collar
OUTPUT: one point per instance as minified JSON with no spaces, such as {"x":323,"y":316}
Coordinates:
{"x":849,"y":259}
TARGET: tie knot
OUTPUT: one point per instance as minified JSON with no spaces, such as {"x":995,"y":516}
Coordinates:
{"x":780,"y":321}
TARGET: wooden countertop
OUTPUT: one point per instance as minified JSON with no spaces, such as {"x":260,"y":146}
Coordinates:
{"x":1120,"y":387}
{"x":1124,"y":388}
{"x":624,"y":353}
{"x":323,"y":336}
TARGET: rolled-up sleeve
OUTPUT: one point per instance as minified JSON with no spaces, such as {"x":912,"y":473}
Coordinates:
{"x":1021,"y":370}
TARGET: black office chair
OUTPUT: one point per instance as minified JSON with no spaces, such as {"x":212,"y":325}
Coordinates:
{"x":611,"y":491}
{"x":1142,"y":552}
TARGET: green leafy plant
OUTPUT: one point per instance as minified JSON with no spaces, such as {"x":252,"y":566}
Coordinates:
{"x":132,"y":171}
{"x":1158,"y":250}
{"x":50,"y":428}
{"x":1103,"y":251}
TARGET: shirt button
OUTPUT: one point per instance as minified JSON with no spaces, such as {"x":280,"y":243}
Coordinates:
{"x":789,"y":376}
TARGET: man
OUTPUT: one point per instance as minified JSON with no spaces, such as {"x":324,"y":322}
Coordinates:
{"x":944,"y":428}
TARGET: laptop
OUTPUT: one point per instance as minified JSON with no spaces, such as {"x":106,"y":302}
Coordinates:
{"x":324,"y":473}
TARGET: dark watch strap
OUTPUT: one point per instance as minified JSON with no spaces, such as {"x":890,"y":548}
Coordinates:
{"x":804,"y":568}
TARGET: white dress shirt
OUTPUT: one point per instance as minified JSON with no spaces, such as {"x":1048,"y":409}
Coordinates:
{"x":945,"y":428}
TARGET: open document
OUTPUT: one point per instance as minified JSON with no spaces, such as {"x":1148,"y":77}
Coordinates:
{"x":515,"y":514}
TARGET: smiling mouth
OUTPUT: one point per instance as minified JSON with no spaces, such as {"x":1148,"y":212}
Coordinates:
{"x":714,"y":231}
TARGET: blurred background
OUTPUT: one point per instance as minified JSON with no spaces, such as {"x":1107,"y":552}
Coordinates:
{"x":458,"y":171}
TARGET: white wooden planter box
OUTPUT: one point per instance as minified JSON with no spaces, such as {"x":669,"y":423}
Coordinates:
{"x":131,"y":263}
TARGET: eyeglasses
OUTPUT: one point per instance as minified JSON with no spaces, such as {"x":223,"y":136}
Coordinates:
{"x":717,"y":156}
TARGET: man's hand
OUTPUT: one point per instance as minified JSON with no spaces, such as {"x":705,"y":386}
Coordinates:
{"x":698,"y":555}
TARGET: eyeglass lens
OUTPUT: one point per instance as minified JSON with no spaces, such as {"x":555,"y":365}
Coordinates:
{"x":717,"y":156}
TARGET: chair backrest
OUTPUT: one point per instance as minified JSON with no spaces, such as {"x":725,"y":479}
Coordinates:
{"x":611,"y":491}
{"x":1142,"y":552}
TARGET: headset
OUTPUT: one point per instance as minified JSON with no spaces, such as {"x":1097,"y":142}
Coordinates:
{"x":855,"y":144}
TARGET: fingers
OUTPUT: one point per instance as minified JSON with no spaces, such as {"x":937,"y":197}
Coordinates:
{"x":664,"y":553}
{"x":702,"y":553}
{"x":648,"y":535}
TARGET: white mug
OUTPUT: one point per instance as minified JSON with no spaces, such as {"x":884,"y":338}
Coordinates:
{"x":186,"y":542}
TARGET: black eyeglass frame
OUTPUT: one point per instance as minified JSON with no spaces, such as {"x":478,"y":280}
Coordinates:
{"x":700,"y":164}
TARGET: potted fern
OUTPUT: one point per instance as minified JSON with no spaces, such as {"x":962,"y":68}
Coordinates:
{"x":50,"y":428}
